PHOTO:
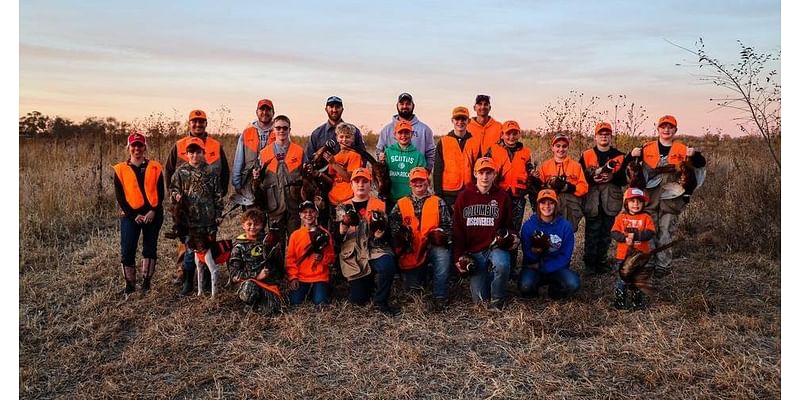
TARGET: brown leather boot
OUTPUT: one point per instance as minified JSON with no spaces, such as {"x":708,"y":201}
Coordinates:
{"x":129,"y":273}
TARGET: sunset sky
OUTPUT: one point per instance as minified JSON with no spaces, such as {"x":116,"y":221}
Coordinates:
{"x":131,"y":59}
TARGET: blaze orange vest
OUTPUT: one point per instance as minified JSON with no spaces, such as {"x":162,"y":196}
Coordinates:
{"x":650,"y":155}
{"x":212,"y":152}
{"x":590,"y":159}
{"x":457,"y":171}
{"x":419,"y":229}
{"x":642,"y":222}
{"x":131,"y":186}
{"x":487,"y":134}
{"x":251,"y":141}
{"x":571,"y":169}
{"x":515,"y":177}
{"x":293,"y":158}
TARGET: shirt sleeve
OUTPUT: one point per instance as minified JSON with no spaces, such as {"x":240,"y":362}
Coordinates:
{"x":238,"y":163}
{"x":459,"y":230}
{"x":430,"y":148}
{"x":438,"y":166}
{"x":169,"y":166}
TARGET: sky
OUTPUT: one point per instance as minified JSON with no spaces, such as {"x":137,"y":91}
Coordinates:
{"x":131,"y":59}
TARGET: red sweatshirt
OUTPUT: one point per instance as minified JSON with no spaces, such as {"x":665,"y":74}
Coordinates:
{"x":477,"y":218}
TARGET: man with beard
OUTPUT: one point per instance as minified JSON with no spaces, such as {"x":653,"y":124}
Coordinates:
{"x":250,"y":143}
{"x":327,"y":131}
{"x":421,"y":134}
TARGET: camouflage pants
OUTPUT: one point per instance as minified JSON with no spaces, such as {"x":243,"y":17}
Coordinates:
{"x":260,"y":299}
{"x":597,"y":240}
{"x":666,"y":225}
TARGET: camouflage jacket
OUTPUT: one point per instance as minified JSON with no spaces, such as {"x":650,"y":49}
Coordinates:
{"x":201,"y":195}
{"x":248,"y":257}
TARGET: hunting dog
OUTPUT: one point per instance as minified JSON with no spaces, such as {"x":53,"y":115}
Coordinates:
{"x":211,"y":253}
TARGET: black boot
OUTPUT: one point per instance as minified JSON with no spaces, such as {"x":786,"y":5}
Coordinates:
{"x":148,"y":270}
{"x":619,"y":299}
{"x":638,"y":301}
{"x":188,"y":282}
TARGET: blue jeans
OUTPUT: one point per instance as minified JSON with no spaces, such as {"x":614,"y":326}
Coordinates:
{"x":319,"y":293}
{"x":129,"y":238}
{"x":560,"y":284}
{"x":381,"y":277}
{"x":486,"y":284}
{"x":439,"y":260}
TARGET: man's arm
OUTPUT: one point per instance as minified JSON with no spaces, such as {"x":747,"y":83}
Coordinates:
{"x":238,"y":163}
{"x":224,"y":173}
{"x":430,"y":148}
{"x":169,"y":166}
{"x":438,"y":168}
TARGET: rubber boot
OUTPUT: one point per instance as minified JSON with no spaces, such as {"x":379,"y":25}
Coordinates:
{"x":129,"y":273}
{"x":188,"y":282}
{"x":619,"y":299}
{"x":148,"y":270}
{"x":638,"y":301}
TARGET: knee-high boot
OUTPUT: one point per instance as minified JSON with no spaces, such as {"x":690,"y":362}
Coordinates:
{"x":148,"y":270}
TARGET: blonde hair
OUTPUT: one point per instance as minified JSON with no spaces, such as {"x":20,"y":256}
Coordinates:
{"x":344,"y":127}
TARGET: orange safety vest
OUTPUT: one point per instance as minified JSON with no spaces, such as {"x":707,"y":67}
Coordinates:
{"x":342,"y":190}
{"x":515,"y":176}
{"x":487,"y":134}
{"x":212,"y":152}
{"x":457,"y":171}
{"x":573,"y":171}
{"x":251,"y":142}
{"x":310,"y":269}
{"x":130,"y":185}
{"x":641,"y":222}
{"x":590,"y":159}
{"x":419,"y":229}
{"x":651,"y":157}
{"x":293,"y":158}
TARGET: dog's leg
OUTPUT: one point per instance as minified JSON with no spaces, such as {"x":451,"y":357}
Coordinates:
{"x":212,"y":268}
{"x":199,"y":272}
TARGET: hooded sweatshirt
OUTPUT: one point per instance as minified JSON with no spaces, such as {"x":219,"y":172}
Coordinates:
{"x":477,"y":217}
{"x":562,"y":243}
{"x":400,"y":162}
{"x":421,"y":138}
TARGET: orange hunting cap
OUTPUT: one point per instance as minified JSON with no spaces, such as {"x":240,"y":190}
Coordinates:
{"x":603,"y":125}
{"x":267,"y":102}
{"x":558,"y":137}
{"x":510,"y":126}
{"x":403,"y":125}
{"x":547,"y":194}
{"x":197,"y":114}
{"x":196,"y":141}
{"x":361,"y":173}
{"x":669,"y":119}
{"x":418,"y":173}
{"x":460,"y":111}
{"x":633,"y":193}
{"x":484,"y":163}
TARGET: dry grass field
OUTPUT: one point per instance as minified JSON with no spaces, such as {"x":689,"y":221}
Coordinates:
{"x":712,"y":332}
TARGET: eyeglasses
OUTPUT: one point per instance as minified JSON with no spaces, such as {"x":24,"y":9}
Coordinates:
{"x":281,"y":128}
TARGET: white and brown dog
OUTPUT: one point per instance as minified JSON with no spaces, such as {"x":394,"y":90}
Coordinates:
{"x":210,"y":253}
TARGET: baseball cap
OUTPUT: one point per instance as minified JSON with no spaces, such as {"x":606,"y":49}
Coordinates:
{"x":632,"y":193}
{"x":460,"y":111}
{"x":547,"y":194}
{"x":417,"y":173}
{"x":510,"y":126}
{"x":197,"y":114}
{"x":334,"y":99}
{"x":196,"y":141}
{"x":482,"y":97}
{"x":137,"y":137}
{"x":484,"y":163}
{"x":403,"y":125}
{"x":362,"y":173}
{"x":558,"y":137}
{"x":308,"y":204}
{"x":668,"y":119}
{"x":263,"y":102}
{"x":602,"y":125}
{"x":404,"y":96}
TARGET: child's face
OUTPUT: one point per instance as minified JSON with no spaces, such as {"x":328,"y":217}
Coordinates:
{"x":635,"y":205}
{"x":136,"y":150}
{"x":511,"y":137}
{"x":308,"y":216}
{"x":419,"y":187}
{"x":546,"y":208}
{"x":403,"y":137}
{"x":345,"y":139}
{"x":281,"y":129}
{"x":666,"y":132}
{"x":560,"y":149}
{"x":603,"y":138}
{"x":196,"y":156}
{"x":252,"y":228}
{"x":460,"y":123}
{"x":361,"y":187}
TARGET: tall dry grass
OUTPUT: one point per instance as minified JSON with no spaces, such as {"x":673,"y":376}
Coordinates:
{"x":713,"y":330}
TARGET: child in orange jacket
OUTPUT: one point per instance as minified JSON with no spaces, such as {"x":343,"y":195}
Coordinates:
{"x":309,"y":256}
{"x":632,"y":228}
{"x":565,"y":176}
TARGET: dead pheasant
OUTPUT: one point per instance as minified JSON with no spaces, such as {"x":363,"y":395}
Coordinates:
{"x":540,"y":241}
{"x":636,"y":271}
{"x":635,"y":174}
{"x":401,"y":241}
{"x":380,"y":172}
{"x":319,"y":239}
{"x":687,"y":176}
{"x":350,"y":216}
{"x":438,"y":237}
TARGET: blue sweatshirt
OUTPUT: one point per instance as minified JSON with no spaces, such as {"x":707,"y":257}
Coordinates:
{"x":562,"y":243}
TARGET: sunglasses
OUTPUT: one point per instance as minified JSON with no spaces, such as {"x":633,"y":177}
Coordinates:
{"x":281,"y":128}
{"x":462,"y":119}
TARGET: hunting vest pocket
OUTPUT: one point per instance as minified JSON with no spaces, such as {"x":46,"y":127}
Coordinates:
{"x":352,"y":264}
{"x":612,"y":199}
{"x":591,"y":202}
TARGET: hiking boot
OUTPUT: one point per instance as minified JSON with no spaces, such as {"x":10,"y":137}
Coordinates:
{"x":619,"y":299}
{"x":638,"y":301}
{"x":497,"y":305}
{"x":388,"y":310}
{"x":188,"y":280}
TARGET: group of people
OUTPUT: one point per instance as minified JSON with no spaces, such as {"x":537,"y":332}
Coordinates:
{"x":333,"y":211}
